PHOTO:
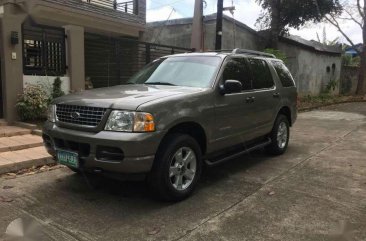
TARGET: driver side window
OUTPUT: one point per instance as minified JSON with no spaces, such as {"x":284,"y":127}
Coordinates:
{"x":237,"y":69}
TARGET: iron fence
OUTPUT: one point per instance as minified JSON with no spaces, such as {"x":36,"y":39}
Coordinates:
{"x":112,"y":61}
{"x":118,"y":5}
{"x":43,"y":50}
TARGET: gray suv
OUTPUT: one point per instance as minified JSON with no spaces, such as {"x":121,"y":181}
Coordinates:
{"x":177,"y":114}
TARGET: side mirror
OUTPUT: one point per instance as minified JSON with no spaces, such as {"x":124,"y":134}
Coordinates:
{"x":231,"y":86}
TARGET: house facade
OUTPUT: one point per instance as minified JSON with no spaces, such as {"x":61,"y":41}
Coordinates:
{"x":43,"y":39}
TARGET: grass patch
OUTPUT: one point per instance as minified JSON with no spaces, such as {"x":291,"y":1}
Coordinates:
{"x":309,"y":102}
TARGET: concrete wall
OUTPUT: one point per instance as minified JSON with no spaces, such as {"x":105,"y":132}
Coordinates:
{"x":309,"y":68}
{"x":349,"y":80}
{"x":178,"y":33}
{"x":245,"y":38}
{"x":47,"y":81}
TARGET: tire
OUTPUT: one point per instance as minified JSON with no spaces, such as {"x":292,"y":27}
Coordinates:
{"x":177,"y":168}
{"x":279,"y":142}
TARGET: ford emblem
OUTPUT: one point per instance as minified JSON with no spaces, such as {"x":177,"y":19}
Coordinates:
{"x":75,"y":115}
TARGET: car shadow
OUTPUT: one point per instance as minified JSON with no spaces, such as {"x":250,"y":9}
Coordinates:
{"x":104,"y":185}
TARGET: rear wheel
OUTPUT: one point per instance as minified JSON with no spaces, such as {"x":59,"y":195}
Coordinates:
{"x":177,"y":168}
{"x":279,"y":136}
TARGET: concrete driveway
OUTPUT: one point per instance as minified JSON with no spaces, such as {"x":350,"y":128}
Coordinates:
{"x":316,"y":191}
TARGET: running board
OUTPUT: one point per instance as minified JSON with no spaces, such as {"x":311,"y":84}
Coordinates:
{"x":227,"y":158}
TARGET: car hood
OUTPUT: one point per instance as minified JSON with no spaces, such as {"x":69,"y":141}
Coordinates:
{"x":127,"y":97}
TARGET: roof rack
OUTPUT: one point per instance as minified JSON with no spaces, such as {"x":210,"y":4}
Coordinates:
{"x":252,"y":52}
{"x":244,"y":51}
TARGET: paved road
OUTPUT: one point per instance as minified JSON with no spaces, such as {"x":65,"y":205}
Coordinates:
{"x":316,"y":191}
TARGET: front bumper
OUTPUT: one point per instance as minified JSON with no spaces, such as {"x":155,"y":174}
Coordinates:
{"x":137,"y":149}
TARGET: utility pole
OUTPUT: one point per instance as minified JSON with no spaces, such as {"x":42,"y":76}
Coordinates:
{"x":220,"y":6}
{"x":197,"y":26}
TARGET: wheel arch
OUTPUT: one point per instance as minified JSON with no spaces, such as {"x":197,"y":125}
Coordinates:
{"x":191,"y":128}
{"x":286,"y":111}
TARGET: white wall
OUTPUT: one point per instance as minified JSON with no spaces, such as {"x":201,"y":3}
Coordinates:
{"x":47,"y":81}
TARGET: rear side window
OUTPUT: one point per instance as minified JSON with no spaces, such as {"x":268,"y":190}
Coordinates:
{"x":237,"y":69}
{"x":284,"y":74}
{"x":262,"y":77}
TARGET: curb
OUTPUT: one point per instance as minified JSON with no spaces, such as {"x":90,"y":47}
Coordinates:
{"x":25,"y":125}
{"x":15,"y":167}
{"x":32,"y":127}
{"x":306,"y":109}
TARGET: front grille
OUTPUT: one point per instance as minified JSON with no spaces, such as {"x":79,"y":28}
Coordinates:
{"x":80,"y":115}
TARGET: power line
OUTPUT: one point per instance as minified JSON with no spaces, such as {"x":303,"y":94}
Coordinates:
{"x":167,"y":4}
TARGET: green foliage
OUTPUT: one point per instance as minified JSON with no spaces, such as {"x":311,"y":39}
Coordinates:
{"x":322,"y":98}
{"x":331,"y":86}
{"x":32,"y":104}
{"x":348,"y":60}
{"x":295,"y":13}
{"x":56,"y":90}
{"x":278,"y":53}
{"x":325,"y":40}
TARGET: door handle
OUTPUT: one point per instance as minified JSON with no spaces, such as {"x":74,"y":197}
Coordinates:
{"x":276,"y":95}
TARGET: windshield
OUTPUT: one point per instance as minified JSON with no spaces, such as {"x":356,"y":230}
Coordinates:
{"x":193,"y":71}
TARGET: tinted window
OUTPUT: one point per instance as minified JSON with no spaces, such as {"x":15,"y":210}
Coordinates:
{"x":284,"y":74}
{"x":237,"y":69}
{"x":262,"y":77}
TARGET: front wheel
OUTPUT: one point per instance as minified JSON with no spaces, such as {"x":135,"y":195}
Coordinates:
{"x":177,"y":168}
{"x":279,"y":136}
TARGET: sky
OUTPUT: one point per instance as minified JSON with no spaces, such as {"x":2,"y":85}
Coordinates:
{"x":247,"y":11}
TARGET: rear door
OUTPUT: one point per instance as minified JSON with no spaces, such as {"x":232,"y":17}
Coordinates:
{"x":266,"y":97}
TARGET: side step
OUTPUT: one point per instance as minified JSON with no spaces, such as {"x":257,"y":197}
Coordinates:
{"x":237,"y":154}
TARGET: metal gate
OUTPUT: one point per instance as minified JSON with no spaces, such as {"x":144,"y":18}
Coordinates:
{"x":111,"y":61}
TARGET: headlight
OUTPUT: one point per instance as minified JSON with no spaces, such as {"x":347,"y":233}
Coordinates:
{"x":51,"y":113}
{"x":128,"y":121}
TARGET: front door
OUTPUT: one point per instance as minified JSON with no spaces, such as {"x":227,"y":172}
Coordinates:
{"x":233,"y":116}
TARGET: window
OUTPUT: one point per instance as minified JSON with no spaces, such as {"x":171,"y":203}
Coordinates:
{"x":237,"y":69}
{"x":283,"y":73}
{"x":262,"y":77}
{"x":192,"y":71}
{"x":43,"y":50}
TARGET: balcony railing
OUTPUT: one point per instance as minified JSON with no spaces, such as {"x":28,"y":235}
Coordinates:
{"x":118,"y":5}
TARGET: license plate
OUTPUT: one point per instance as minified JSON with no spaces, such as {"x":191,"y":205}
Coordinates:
{"x":68,"y":158}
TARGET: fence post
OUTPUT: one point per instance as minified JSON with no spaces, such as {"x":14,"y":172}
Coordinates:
{"x":135,"y":7}
{"x":148,"y":57}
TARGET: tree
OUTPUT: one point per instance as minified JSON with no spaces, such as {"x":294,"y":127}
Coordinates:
{"x":356,"y":13}
{"x":325,"y":40}
{"x":279,"y":15}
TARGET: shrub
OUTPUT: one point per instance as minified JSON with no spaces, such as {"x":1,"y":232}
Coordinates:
{"x":56,"y":90}
{"x":278,"y":53}
{"x":33,"y":103}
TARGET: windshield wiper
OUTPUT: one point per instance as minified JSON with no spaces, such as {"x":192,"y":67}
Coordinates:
{"x":159,"y":83}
